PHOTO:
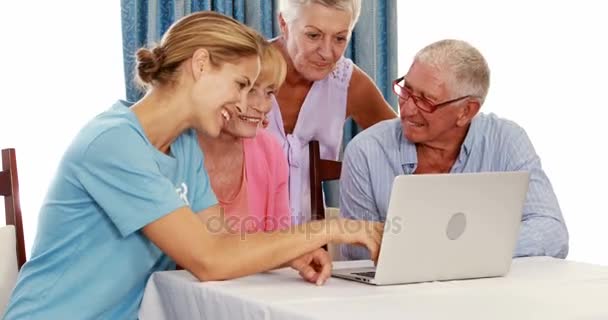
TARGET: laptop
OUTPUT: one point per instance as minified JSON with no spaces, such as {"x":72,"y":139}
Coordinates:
{"x":447,"y":227}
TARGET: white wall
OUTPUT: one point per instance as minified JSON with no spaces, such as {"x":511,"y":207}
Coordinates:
{"x":549,"y":65}
{"x":61,"y":65}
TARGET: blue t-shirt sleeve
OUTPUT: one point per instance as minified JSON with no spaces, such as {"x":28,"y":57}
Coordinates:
{"x":120,"y":173}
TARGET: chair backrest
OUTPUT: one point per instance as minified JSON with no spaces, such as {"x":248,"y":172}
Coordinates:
{"x":9,"y":189}
{"x":8,"y":264}
{"x":320,"y":170}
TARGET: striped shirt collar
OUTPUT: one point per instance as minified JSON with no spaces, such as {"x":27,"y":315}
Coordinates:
{"x":408,"y":153}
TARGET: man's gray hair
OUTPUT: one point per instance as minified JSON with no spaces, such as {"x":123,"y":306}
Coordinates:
{"x":290,"y":8}
{"x":465,"y":68}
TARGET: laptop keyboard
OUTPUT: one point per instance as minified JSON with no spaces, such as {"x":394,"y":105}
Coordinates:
{"x":370,"y":274}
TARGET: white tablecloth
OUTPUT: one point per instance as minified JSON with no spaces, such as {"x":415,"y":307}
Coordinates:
{"x":535,"y":288}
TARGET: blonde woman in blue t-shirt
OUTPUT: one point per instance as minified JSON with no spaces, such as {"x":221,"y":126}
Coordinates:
{"x":131,"y":195}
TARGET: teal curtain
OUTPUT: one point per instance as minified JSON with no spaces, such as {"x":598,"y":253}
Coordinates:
{"x":145,"y":21}
{"x":373,"y":48}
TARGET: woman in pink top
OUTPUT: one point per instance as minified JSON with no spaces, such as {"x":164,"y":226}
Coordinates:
{"x":246,"y":166}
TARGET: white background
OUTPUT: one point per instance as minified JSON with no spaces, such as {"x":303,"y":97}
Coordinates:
{"x":549,"y":63}
{"x":62,"y":64}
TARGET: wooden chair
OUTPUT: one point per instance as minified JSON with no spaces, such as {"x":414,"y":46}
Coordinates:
{"x":8,"y":264}
{"x":12,"y":248}
{"x":323,"y":170}
{"x":320,"y":170}
{"x":9,"y":189}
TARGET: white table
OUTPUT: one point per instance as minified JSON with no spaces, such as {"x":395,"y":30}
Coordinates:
{"x":535,"y":288}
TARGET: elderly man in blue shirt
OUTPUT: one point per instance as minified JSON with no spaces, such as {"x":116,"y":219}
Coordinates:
{"x":441,"y":130}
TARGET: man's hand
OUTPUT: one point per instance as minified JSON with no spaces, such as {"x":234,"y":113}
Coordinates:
{"x":314,"y":266}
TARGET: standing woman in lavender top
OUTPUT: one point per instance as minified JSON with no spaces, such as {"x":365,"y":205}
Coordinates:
{"x":321,"y":90}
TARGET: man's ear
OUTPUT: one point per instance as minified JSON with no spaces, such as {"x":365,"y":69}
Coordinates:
{"x":468,"y":112}
{"x":200,"y":63}
{"x":283,"y":26}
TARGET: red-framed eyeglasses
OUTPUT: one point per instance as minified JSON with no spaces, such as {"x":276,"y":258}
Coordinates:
{"x":421,"y":103}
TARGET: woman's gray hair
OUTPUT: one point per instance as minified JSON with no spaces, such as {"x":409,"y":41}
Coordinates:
{"x":465,"y":68}
{"x":289,"y":8}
